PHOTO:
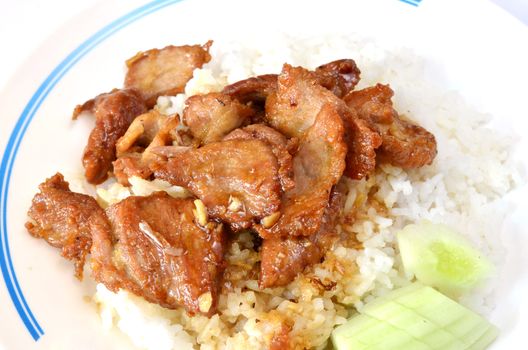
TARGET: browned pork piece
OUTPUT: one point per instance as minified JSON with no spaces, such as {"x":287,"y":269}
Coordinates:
{"x":339,"y":76}
{"x":158,"y":250}
{"x":253,"y":90}
{"x":134,"y":149}
{"x":362,"y":144}
{"x":282,"y":259}
{"x":130,"y":165}
{"x":64,"y":219}
{"x":404,"y":144}
{"x":212,"y":116}
{"x":166,"y":135}
{"x":237,"y":180}
{"x":114,"y":112}
{"x":281,"y":338}
{"x":317,"y":167}
{"x":298,"y":100}
{"x":373,"y":104}
{"x":280,"y":146}
{"x":165,"y":71}
{"x":141,"y":132}
{"x":299,"y":97}
{"x":407,"y":145}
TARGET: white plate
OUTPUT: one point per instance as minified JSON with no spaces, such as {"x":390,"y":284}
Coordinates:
{"x":470,"y":46}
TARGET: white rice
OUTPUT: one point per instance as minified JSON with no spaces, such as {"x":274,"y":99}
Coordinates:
{"x":463,"y":189}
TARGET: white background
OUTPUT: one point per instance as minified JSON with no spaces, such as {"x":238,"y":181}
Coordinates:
{"x":24,"y":24}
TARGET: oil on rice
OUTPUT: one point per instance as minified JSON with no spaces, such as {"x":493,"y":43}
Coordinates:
{"x":462,"y":186}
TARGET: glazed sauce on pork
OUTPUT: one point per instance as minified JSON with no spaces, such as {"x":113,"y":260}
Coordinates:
{"x":265,"y":154}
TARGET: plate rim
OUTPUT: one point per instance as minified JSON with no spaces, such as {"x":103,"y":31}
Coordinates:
{"x":26,"y":102}
{"x":17,"y":133}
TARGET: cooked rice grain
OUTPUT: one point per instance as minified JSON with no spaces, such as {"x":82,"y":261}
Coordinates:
{"x":462,"y":188}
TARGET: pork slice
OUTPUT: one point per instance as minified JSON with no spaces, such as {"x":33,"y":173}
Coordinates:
{"x":280,"y":146}
{"x":114,"y":112}
{"x":158,"y":250}
{"x":166,"y":71}
{"x":135,"y":149}
{"x":63,"y":218}
{"x":403,"y":143}
{"x":129,"y":165}
{"x":282,"y":259}
{"x":407,"y":145}
{"x":317,"y":166}
{"x":362,"y":144}
{"x":340,"y":76}
{"x":373,"y":104}
{"x":140,"y":132}
{"x":253,"y":90}
{"x":212,"y":116}
{"x":237,"y":180}
{"x":293,"y":107}
{"x":281,"y":338}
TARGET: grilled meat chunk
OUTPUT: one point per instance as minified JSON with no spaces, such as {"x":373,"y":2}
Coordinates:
{"x":135,"y":149}
{"x":237,"y":180}
{"x":114,"y":112}
{"x":404,"y":144}
{"x":280,"y":146}
{"x":157,"y":249}
{"x":166,"y":71}
{"x":339,"y":76}
{"x":253,"y":90}
{"x":298,"y":100}
{"x":317,"y":166}
{"x":282,"y":259}
{"x":212,"y":116}
{"x":64,"y":219}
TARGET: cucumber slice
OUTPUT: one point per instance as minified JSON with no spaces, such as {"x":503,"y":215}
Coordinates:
{"x":468,"y":328}
{"x":486,"y":339}
{"x":371,"y":336}
{"x":439,"y":257}
{"x":425,"y":302}
{"x":415,"y":325}
{"x":343,"y":337}
{"x":395,"y":294}
{"x":356,"y":324}
{"x":398,"y":339}
{"x":414,"y":317}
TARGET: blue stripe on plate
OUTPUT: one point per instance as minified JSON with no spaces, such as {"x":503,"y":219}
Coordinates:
{"x":412,"y":2}
{"x":6,"y":167}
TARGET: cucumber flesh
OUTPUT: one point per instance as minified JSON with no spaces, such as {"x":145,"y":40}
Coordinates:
{"x":356,"y":324}
{"x":398,"y":339}
{"x":372,"y":336}
{"x":486,"y":339}
{"x":425,"y":301}
{"x":400,"y":316}
{"x":415,"y":317}
{"x":343,"y":337}
{"x":468,"y":328}
{"x":439,"y":257}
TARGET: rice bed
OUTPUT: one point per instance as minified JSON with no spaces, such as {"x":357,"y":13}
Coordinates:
{"x":462,"y":188}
